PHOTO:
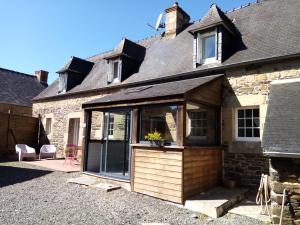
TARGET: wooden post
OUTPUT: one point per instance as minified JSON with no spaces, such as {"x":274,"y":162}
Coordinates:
{"x":88,"y":121}
{"x":181,"y":125}
{"x":134,"y":140}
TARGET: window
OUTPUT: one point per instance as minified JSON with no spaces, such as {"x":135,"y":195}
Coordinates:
{"x":207,"y":47}
{"x":48,"y":125}
{"x":63,"y":77}
{"x":198,"y":124}
{"x":202,"y":125}
{"x":110,"y":120}
{"x":248,"y":125}
{"x":115,"y":70}
{"x":162,"y":119}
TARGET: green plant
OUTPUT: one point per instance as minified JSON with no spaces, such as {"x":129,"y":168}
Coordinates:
{"x":155,"y":136}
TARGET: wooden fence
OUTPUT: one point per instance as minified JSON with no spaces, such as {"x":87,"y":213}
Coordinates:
{"x":17,"y":129}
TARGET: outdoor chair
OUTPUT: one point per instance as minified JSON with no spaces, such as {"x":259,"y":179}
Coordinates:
{"x":71,"y":153}
{"x":25,"y":151}
{"x":47,"y":151}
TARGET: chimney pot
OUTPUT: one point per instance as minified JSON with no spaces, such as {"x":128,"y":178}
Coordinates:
{"x":42,"y":76}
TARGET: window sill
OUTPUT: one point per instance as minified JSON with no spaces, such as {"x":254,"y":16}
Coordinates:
{"x":162,"y":147}
{"x":248,"y":140}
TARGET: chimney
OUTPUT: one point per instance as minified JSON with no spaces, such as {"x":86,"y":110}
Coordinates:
{"x":176,"y":20}
{"x":42,"y":76}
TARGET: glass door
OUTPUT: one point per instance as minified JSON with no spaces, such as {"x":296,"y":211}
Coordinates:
{"x":115,"y":154}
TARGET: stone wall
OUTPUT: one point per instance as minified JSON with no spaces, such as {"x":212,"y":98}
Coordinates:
{"x":61,"y":111}
{"x":285,"y":174}
{"x":244,"y":87}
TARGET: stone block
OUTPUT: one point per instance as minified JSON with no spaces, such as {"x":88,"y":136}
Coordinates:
{"x":278,"y":187}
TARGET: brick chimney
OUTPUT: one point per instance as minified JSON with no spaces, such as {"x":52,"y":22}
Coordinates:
{"x":42,"y":76}
{"x":176,"y":20}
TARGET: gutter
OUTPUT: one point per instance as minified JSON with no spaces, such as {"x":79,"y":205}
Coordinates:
{"x":186,"y":75}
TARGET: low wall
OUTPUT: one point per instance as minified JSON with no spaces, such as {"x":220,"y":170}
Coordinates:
{"x":173,"y":174}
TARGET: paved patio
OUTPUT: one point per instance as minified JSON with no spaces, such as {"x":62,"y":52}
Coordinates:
{"x":56,"y":165}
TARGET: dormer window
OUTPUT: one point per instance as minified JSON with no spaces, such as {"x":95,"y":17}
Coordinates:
{"x":114,"y":74}
{"x":115,"y":71}
{"x":63,"y":77}
{"x":207,"y":47}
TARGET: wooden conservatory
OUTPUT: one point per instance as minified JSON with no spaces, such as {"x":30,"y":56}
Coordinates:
{"x":185,"y":113}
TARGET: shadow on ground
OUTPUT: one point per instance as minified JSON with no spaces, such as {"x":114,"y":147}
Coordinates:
{"x":11,"y":174}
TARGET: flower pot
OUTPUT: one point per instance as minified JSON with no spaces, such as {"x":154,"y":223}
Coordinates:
{"x":230,"y":183}
{"x":158,"y":143}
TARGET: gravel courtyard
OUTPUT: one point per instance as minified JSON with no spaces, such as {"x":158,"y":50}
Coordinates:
{"x":31,"y":195}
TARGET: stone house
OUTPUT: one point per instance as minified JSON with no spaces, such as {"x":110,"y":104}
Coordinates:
{"x":203,"y":85}
{"x":16,"y":93}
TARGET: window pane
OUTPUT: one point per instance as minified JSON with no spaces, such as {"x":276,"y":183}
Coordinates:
{"x":249,"y":132}
{"x":255,"y":122}
{"x":241,"y":123}
{"x":248,"y":113}
{"x":255,"y":112}
{"x":248,"y":122}
{"x":116,"y":69}
{"x":161,"y":119}
{"x":209,"y":47}
{"x":256,"y":132}
{"x":241,"y":113}
{"x":241,"y":132}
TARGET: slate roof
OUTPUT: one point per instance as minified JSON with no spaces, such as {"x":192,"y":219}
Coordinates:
{"x":18,"y":88}
{"x":281,"y":129}
{"x":77,"y":65}
{"x":129,"y":49}
{"x":174,"y":88}
{"x":215,"y":16}
{"x":268,"y":30}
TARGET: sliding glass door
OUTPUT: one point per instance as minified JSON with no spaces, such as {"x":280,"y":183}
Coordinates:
{"x":115,"y":154}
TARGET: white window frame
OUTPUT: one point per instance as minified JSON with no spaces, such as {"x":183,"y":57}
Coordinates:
{"x":201,"y":36}
{"x":250,"y":139}
{"x":63,"y":79}
{"x":117,"y":79}
{"x":190,"y":127}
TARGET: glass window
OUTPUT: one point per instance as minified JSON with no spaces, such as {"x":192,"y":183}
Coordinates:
{"x":208,"y":47}
{"x":116,"y":70}
{"x":63,"y":77}
{"x":162,"y":119}
{"x":48,"y":125}
{"x":111,"y":121}
{"x":201,"y":125}
{"x":248,"y":125}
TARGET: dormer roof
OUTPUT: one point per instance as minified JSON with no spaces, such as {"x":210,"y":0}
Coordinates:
{"x":214,"y":17}
{"x":77,"y":65}
{"x":129,"y":49}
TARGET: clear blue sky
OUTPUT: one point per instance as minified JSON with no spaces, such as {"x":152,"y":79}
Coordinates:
{"x":40,"y":34}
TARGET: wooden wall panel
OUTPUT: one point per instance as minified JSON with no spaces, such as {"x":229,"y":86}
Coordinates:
{"x":202,"y":170}
{"x":158,"y":173}
{"x":17,"y":129}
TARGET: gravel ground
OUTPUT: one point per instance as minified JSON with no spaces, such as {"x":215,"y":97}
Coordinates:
{"x":31,"y":195}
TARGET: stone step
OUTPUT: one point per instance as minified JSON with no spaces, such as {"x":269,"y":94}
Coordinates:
{"x":216,"y":202}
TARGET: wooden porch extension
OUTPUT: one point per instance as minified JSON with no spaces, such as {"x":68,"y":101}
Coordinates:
{"x":189,"y":164}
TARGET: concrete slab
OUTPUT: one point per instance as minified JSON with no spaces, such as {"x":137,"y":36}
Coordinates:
{"x":216,"y":201}
{"x":249,"y":208}
{"x":106,"y":187}
{"x":87,"y":181}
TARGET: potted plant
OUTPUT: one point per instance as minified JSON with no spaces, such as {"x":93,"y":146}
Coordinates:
{"x":155,"y":138}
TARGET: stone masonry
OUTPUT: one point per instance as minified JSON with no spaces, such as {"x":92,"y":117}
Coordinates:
{"x":61,"y":111}
{"x":249,"y":86}
{"x":285,"y":174}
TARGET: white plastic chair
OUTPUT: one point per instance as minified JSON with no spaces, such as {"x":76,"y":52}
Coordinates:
{"x":48,"y":151}
{"x":25,"y":151}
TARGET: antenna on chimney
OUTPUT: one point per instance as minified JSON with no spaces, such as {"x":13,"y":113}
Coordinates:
{"x":159,"y":23}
